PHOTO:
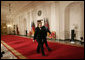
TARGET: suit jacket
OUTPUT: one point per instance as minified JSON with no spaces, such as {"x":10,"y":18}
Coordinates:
{"x":45,"y":30}
{"x":40,"y":34}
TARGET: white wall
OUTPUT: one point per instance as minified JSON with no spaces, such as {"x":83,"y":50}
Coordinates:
{"x":62,"y":26}
{"x":76,"y":19}
{"x":65,"y":15}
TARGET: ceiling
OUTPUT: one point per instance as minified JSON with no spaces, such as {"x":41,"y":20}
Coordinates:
{"x":15,"y":6}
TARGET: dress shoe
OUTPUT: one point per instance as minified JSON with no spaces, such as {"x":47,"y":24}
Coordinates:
{"x":38,"y":52}
{"x":43,"y":55}
{"x":49,"y":49}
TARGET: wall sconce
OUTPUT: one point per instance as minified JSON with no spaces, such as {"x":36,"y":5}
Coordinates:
{"x":9,"y":25}
{"x":4,"y":27}
{"x":9,"y":29}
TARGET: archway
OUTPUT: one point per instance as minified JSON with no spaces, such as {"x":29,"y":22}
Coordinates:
{"x":74,"y":15}
{"x":3,"y":28}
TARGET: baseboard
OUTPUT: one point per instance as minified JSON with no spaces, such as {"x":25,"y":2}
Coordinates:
{"x":76,"y":40}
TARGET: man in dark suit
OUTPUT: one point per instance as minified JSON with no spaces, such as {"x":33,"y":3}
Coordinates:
{"x":38,"y":35}
{"x":45,"y":30}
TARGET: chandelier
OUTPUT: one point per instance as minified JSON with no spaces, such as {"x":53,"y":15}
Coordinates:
{"x":10,"y":8}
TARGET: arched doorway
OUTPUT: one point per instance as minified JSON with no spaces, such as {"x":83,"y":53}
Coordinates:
{"x":74,"y":15}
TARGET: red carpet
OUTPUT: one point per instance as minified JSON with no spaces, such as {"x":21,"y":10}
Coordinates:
{"x":27,"y":48}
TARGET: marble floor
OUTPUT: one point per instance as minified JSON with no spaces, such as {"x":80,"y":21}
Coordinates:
{"x":9,"y":55}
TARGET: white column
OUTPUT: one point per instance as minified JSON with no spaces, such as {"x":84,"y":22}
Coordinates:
{"x":55,"y":18}
{"x":31,"y":19}
{"x":28,"y":22}
{"x":61,"y":23}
